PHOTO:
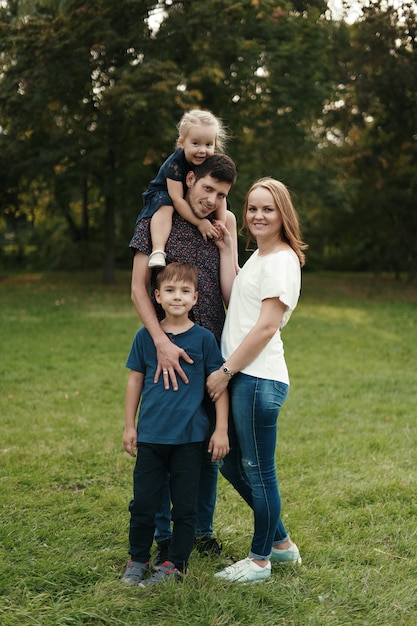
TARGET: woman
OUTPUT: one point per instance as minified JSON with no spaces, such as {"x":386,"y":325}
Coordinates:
{"x":263,"y":296}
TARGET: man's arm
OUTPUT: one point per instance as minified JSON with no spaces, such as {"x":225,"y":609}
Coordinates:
{"x":168,"y":354}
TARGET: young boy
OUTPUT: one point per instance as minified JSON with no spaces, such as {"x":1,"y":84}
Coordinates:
{"x":172,"y":426}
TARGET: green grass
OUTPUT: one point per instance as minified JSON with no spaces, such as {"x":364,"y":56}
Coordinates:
{"x":346,"y":461}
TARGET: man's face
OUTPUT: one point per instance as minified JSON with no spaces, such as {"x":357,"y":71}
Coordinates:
{"x":206,"y":194}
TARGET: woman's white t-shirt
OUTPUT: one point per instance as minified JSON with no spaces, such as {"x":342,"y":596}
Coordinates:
{"x":276,"y":275}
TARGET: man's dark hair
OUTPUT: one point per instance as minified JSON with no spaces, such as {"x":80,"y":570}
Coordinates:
{"x":218,"y":166}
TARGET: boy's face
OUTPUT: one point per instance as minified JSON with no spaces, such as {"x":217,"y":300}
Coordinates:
{"x":177,"y":298}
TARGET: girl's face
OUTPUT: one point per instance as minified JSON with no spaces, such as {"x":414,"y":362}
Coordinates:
{"x":262,"y":215}
{"x":198,"y":144}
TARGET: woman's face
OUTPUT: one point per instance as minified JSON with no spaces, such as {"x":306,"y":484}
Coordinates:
{"x":262,"y":216}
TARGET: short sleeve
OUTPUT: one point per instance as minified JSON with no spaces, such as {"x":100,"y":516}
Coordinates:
{"x":135,"y":360}
{"x":212,"y":355}
{"x":177,"y":167}
{"x":141,"y":240}
{"x":281,"y":278}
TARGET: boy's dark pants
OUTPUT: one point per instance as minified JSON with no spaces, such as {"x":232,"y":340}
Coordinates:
{"x":153,"y":461}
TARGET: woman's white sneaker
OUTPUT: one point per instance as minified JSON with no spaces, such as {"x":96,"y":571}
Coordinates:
{"x":245,"y":571}
{"x":292,"y":555}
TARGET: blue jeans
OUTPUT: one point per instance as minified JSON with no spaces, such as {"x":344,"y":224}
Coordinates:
{"x":207,"y":492}
{"x":250,"y":464}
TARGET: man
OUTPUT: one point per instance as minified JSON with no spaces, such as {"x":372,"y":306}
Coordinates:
{"x":207,"y":187}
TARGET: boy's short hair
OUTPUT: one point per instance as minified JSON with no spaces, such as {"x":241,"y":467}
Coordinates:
{"x":219,"y":166}
{"x":178,"y":272}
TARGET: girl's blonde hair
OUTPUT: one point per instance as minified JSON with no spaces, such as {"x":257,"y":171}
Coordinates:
{"x":290,"y":223}
{"x":197,"y":117}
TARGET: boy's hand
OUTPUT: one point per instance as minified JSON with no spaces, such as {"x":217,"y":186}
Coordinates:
{"x":218,"y":445}
{"x":130,"y":441}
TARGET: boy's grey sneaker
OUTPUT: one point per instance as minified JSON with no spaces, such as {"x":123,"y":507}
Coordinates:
{"x":134,"y":573}
{"x":162,"y":552}
{"x":161,"y":574}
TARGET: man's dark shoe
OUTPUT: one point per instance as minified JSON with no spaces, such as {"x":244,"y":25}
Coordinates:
{"x":162,"y":552}
{"x":208,"y":545}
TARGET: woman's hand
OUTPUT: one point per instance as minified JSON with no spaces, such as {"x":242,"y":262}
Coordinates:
{"x":216,"y":384}
{"x":223,"y":240}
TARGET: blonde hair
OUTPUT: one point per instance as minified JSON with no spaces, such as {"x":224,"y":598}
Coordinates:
{"x":197,"y":117}
{"x":290,"y":223}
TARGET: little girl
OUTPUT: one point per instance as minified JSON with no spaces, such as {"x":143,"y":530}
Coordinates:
{"x":199,"y":134}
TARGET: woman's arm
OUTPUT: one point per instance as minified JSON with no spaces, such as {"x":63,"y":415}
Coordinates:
{"x":258,"y":337}
{"x":168,"y":354}
{"x":227,"y":261}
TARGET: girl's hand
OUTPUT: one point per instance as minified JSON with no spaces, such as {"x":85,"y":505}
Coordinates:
{"x":207,"y":229}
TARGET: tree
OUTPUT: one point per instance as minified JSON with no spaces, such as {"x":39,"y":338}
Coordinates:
{"x":375,"y":120}
{"x":261,"y":66}
{"x":78,"y":91}
{"x":98,"y":95}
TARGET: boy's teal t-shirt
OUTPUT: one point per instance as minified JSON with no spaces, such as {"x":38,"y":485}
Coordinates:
{"x":167,"y":416}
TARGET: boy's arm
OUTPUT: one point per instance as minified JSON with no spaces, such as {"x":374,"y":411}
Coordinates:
{"x":176,"y":193}
{"x":219,"y":441}
{"x":168,"y":354}
{"x":133,"y":394}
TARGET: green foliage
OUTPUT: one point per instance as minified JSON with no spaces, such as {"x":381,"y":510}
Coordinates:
{"x":377,"y":117}
{"x":345,"y":459}
{"x":90,"y":95}
{"x":76,"y":102}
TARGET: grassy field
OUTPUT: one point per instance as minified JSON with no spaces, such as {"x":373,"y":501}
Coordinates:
{"x":346,"y":461}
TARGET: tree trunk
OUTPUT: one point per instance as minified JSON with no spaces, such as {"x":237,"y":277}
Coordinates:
{"x":109,"y":241}
{"x":109,"y":225}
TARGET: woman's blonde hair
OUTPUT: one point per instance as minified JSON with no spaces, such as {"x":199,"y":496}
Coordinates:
{"x":290,"y":223}
{"x":197,"y":117}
